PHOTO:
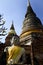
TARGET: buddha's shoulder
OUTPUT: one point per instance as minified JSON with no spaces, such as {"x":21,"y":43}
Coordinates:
{"x":18,"y":47}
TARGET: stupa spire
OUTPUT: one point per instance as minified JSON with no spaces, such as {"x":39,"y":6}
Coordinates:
{"x":12,"y":29}
{"x":12,"y":26}
{"x":30,"y":11}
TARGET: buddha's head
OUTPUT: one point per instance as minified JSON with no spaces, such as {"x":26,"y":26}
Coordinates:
{"x":14,"y":40}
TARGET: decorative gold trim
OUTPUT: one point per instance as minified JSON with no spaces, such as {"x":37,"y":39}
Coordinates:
{"x":29,"y":32}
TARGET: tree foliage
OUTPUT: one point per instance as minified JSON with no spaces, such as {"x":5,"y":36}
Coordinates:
{"x":2,"y":28}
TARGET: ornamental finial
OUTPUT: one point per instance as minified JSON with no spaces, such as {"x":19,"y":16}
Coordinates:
{"x":28,"y":2}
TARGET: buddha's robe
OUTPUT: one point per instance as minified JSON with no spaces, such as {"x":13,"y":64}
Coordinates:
{"x":14,"y":54}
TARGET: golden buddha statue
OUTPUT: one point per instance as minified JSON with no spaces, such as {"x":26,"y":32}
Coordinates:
{"x":14,"y":53}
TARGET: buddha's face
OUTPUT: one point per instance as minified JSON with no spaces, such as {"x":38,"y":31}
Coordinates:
{"x":14,"y":40}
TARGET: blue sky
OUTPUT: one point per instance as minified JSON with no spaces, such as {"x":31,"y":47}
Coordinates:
{"x":15,"y":10}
